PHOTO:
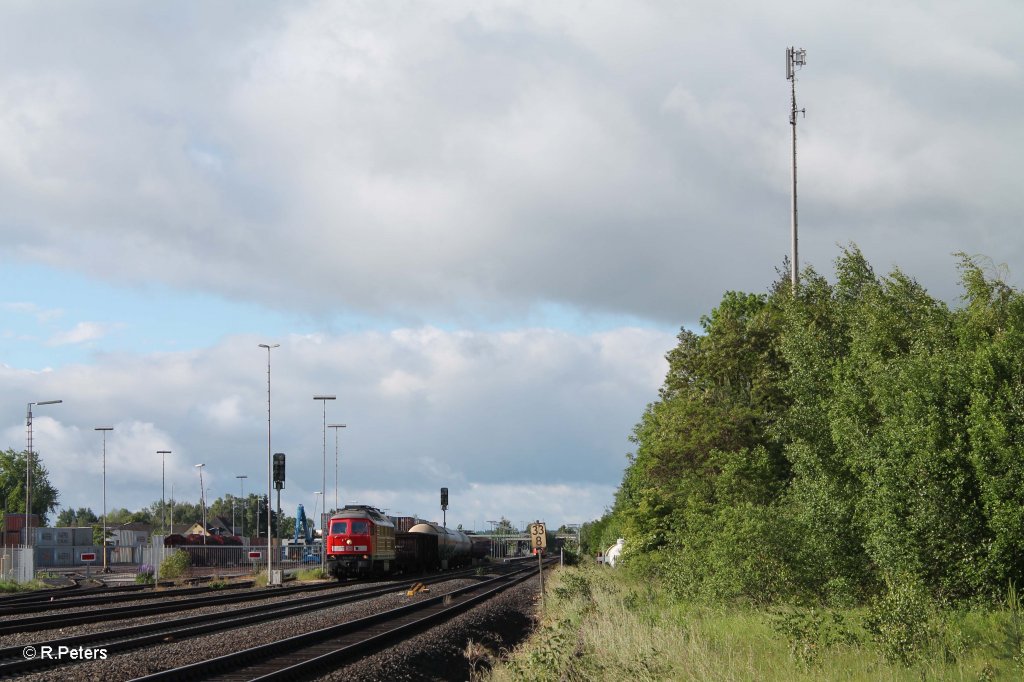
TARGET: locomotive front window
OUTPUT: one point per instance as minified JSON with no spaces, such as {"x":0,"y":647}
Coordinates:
{"x":360,"y":527}
{"x":339,"y":527}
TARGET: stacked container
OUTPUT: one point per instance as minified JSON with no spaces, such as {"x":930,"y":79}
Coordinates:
{"x":404,"y":523}
{"x":44,"y":537}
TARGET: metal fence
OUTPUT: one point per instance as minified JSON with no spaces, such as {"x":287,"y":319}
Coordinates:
{"x":19,"y":563}
{"x":233,"y":560}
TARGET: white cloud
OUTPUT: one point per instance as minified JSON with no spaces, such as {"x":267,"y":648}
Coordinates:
{"x":83,"y":332}
{"x":453,"y":161}
{"x":491,"y":413}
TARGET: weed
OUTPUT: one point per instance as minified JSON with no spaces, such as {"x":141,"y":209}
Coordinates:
{"x":812,"y":632}
{"x":575,"y":587}
{"x":1015,"y":626}
{"x":479,"y":657}
{"x":311,"y":574}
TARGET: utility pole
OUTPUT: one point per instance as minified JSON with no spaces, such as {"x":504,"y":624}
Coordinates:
{"x":794,"y":58}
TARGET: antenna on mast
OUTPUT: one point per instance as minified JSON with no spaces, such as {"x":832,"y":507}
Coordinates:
{"x":794,"y":58}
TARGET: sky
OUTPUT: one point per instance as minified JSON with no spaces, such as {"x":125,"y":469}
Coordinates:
{"x":479,"y":225}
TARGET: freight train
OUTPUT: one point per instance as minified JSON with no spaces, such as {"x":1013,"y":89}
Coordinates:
{"x":362,"y":541}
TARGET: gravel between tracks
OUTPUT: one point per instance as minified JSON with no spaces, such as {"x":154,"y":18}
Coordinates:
{"x":498,"y":624}
{"x":55,"y":634}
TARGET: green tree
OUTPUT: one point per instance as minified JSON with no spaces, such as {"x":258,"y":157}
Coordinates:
{"x":854,"y":438}
{"x":83,"y":516}
{"x":12,"y":485}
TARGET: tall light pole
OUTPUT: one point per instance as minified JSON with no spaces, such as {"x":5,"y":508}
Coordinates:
{"x":324,"y":399}
{"x":28,"y":466}
{"x":270,"y":465}
{"x":794,"y":58}
{"x":104,"y":430}
{"x":335,"y":427}
{"x":163,"y":480}
{"x":317,"y":496}
{"x":202,"y":498}
{"x":241,"y":489}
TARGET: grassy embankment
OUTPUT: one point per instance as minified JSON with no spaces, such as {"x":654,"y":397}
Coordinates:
{"x":603,"y":624}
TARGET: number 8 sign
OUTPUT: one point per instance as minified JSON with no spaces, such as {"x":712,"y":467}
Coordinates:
{"x":538,"y":536}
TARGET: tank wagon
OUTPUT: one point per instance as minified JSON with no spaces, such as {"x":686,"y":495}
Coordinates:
{"x":362,"y":541}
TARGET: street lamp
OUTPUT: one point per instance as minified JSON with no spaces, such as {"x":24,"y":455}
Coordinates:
{"x":241,"y":488}
{"x":104,"y":430}
{"x":202,"y":498}
{"x":270,"y":465}
{"x":324,"y":399}
{"x":317,"y":494}
{"x":28,"y":465}
{"x":336,"y":427}
{"x":163,"y":479}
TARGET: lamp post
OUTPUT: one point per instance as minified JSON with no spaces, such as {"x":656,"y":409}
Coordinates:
{"x":103,"y":430}
{"x":202,"y":498}
{"x":163,"y":481}
{"x":317,"y":495}
{"x":241,"y":489}
{"x":270,"y":465}
{"x":335,"y":427}
{"x":324,"y":399}
{"x":28,"y":465}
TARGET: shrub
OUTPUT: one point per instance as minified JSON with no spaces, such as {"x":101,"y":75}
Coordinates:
{"x":175,"y":565}
{"x":900,"y":621}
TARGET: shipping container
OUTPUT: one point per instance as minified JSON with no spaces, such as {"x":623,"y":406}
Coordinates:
{"x":13,"y":522}
{"x":44,"y":556}
{"x":82,"y":535}
{"x":64,"y":556}
{"x":404,"y":523}
{"x":44,"y":537}
{"x":64,"y":536}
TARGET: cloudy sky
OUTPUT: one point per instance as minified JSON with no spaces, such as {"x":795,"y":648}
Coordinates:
{"x":478,"y":224}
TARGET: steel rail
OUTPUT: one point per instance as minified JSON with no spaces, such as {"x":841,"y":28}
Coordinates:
{"x":70,"y":601}
{"x":46,"y":622}
{"x":341,"y":642}
{"x":119,"y":640}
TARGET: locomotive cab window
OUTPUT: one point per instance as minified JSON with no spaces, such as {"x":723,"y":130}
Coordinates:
{"x":339,"y":527}
{"x":360,"y":528}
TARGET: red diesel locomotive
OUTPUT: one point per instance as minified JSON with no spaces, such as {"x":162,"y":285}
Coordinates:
{"x":361,"y":541}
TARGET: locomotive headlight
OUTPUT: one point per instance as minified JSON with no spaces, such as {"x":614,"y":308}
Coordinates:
{"x":349,"y":541}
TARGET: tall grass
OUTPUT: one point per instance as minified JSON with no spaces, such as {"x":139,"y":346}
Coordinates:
{"x":603,"y":624}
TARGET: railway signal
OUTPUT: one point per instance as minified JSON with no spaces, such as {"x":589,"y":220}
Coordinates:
{"x":444,"y":507}
{"x":278,"y":470}
{"x":539,"y":541}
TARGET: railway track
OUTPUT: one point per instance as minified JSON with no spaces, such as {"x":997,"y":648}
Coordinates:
{"x":13,"y":661}
{"x":309,"y":654}
{"x":116,"y":595}
{"x":61,"y":620}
